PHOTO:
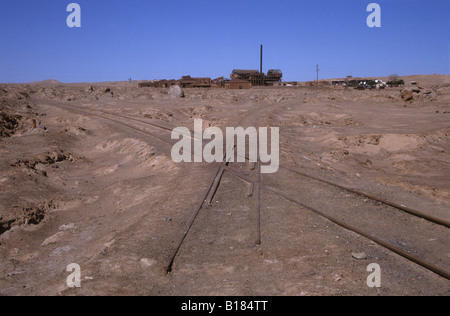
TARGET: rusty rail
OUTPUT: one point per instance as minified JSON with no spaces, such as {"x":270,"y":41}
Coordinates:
{"x":416,"y":213}
{"x":191,"y":220}
{"x":400,"y":252}
{"x":258,"y":203}
{"x":382,"y":243}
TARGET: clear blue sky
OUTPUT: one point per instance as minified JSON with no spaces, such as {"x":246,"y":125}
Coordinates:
{"x":147,"y":39}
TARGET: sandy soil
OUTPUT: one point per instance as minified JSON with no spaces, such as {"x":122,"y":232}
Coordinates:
{"x":77,"y":186}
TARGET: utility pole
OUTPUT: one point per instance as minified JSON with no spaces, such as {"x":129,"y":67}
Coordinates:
{"x":317,"y":69}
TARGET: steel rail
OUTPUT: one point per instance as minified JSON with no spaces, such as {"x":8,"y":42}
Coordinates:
{"x":208,"y":196}
{"x":134,"y":119}
{"x":215,"y":186}
{"x":85,"y":111}
{"x":380,"y":242}
{"x":258,"y":203}
{"x":403,"y":208}
{"x":398,"y":251}
{"x":408,"y":210}
{"x":192,"y":220}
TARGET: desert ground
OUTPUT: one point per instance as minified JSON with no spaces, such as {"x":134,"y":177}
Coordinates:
{"x":85,"y":179}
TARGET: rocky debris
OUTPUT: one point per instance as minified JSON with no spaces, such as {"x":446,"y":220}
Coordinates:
{"x":105,"y":93}
{"x":13,"y":101}
{"x":407,"y":95}
{"x":159,"y":116}
{"x":28,"y":215}
{"x":14,"y":95}
{"x":65,"y":227}
{"x":5,"y":225}
{"x":429,"y":94}
{"x":34,"y":215}
{"x":316,"y":119}
{"x":67,"y":93}
{"x":52,"y":239}
{"x":107,"y":248}
{"x":147,"y":263}
{"x":175,"y":92}
{"x":46,"y":159}
{"x":360,"y":141}
{"x":420,"y":93}
{"x":359,"y":255}
{"x":8,"y":124}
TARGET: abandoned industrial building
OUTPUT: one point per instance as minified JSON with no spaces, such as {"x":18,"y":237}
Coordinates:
{"x":240,"y":79}
{"x":189,"y":82}
{"x":238,"y":84}
{"x":257,"y":78}
{"x":253,"y":76}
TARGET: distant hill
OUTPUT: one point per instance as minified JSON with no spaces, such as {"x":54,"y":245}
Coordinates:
{"x":48,"y":81}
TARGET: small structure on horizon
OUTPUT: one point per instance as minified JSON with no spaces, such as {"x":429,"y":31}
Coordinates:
{"x":189,"y":82}
{"x":157,"y":83}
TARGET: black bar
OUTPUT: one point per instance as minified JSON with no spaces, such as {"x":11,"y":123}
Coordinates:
{"x":261,"y":60}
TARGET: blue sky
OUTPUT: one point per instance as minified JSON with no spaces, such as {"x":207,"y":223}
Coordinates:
{"x":147,"y":39}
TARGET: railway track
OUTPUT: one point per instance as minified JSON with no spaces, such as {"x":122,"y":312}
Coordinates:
{"x":390,"y":211}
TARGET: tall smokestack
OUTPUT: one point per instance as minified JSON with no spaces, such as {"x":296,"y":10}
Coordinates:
{"x":261,"y":60}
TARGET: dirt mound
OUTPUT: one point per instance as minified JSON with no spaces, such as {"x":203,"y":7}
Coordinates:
{"x":50,"y":81}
